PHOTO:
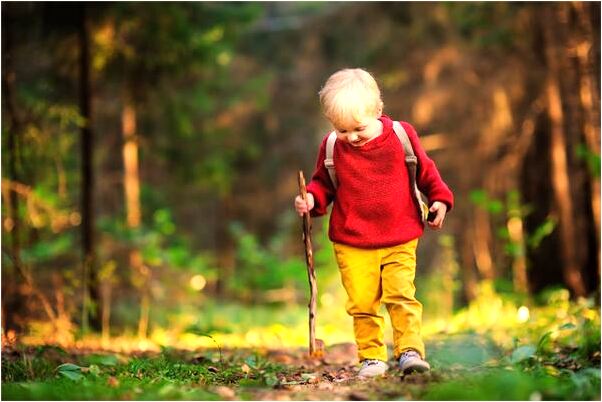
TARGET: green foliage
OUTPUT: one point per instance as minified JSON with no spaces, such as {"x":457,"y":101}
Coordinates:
{"x":591,"y":158}
{"x":484,"y":25}
{"x":166,"y":377}
{"x":480,"y":198}
{"x":71,"y":371}
{"x":551,"y":360}
{"x":27,"y":368}
{"x":45,"y":251}
{"x":514,"y":209}
{"x":96,"y":388}
{"x":507,"y":385}
{"x":159,"y":242}
{"x":541,"y":232}
{"x":262,"y":268}
{"x":522,"y":353}
{"x":101,"y":360}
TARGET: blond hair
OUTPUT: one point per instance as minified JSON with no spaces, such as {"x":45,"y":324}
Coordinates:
{"x":350,"y":94}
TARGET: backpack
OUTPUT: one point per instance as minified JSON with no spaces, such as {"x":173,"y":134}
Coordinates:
{"x":410,"y":159}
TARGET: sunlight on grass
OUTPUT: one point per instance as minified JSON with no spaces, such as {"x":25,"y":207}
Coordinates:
{"x":504,"y":321}
{"x":495,"y":348}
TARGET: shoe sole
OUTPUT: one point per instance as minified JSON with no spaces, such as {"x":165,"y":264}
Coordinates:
{"x":372,"y":375}
{"x":415,"y":369}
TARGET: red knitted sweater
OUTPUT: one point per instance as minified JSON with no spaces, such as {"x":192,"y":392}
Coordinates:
{"x":373,"y":206}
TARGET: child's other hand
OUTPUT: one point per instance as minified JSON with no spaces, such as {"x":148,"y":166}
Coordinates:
{"x":440,"y":209}
{"x":302,"y":206}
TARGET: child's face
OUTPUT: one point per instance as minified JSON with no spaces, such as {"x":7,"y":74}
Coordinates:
{"x":358,"y":132}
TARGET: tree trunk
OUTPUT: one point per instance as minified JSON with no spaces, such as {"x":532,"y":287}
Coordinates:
{"x":514,"y":224}
{"x":225,"y":247}
{"x":12,"y":299}
{"x":93,"y":313}
{"x":560,"y":166}
{"x":590,"y":103}
{"x":131,"y":182}
{"x":482,"y":244}
{"x":469,"y":280}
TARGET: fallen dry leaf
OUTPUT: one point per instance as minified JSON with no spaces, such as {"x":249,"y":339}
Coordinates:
{"x":325,"y":386}
{"x":225,"y":392}
{"x":283,"y":358}
{"x":112,"y":382}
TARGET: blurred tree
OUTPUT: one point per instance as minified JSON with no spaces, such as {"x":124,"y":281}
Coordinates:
{"x":168,"y":60}
{"x":12,"y":307}
{"x":87,"y":192}
{"x":41,"y":164}
{"x":573,"y":249}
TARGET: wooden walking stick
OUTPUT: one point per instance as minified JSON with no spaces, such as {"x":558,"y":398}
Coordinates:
{"x":316,"y":346}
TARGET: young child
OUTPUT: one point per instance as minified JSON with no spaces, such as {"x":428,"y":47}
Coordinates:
{"x":375,"y":224}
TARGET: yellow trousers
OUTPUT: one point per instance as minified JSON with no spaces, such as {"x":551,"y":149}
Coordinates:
{"x":375,"y":276}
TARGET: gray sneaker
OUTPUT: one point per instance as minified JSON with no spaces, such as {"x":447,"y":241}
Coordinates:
{"x":410,"y":361}
{"x":372,"y":368}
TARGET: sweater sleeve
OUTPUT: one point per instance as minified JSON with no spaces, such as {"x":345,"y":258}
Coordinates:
{"x":320,"y":185}
{"x":428,"y":179}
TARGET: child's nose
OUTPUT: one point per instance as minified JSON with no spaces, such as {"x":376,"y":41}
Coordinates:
{"x":353,"y":137}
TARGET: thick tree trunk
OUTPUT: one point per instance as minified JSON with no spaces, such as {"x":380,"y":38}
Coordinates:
{"x":560,"y":165}
{"x":12,"y":299}
{"x":589,"y":97}
{"x":94,"y":313}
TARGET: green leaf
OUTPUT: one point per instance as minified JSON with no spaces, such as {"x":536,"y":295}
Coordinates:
{"x":478,"y":197}
{"x":544,"y":340}
{"x":71,"y":371}
{"x":43,"y":251}
{"x":503,"y":233}
{"x":102,"y":360}
{"x":591,"y":158}
{"x":251,"y":361}
{"x":567,"y":325}
{"x":68,"y":367}
{"x":495,"y":206}
{"x":541,"y":232}
{"x":523,"y":353}
{"x":271,"y":380}
{"x":94,"y":369}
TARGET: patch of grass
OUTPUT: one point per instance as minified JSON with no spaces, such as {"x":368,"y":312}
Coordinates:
{"x":98,"y":388}
{"x":26,"y":368}
{"x":168,"y":376}
{"x":504,"y":384}
{"x":554,"y":354}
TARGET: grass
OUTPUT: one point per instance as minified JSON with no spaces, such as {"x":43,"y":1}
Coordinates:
{"x":552,"y":355}
{"x":480,"y":374}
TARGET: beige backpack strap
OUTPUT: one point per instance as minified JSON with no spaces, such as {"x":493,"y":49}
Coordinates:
{"x":329,"y":161}
{"x":411,"y":163}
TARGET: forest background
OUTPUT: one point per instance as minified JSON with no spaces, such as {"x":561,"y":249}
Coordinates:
{"x":150,"y":155}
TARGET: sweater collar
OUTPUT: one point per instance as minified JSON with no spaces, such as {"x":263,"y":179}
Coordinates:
{"x":387,"y":124}
{"x":382,"y":138}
